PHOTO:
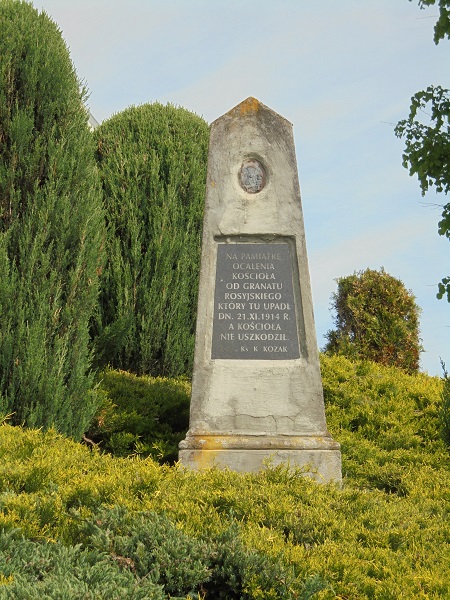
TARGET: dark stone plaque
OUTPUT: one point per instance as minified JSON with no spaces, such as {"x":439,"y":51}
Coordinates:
{"x":254,"y":305}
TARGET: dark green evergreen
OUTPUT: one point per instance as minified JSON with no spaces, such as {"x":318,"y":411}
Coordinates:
{"x":376,"y":319}
{"x":50,"y":570}
{"x":51,"y":227}
{"x":152,"y":162}
{"x":145,"y":416}
{"x":444,"y":408}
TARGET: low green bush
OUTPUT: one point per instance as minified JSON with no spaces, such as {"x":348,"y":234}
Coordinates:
{"x":386,"y":421}
{"x":444,"y":408}
{"x":152,"y":547}
{"x":145,"y":416}
{"x":376,"y":318}
{"x":385,"y":534}
{"x":34,"y":571}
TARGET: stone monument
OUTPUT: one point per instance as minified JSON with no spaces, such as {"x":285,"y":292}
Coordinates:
{"x":256,"y":389}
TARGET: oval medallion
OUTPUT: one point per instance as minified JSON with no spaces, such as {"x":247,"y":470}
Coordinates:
{"x":252,"y":176}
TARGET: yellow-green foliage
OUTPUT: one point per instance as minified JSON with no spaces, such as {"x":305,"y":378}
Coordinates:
{"x":143,"y":415}
{"x":386,"y":421}
{"x":385,"y":534}
{"x":444,"y":408}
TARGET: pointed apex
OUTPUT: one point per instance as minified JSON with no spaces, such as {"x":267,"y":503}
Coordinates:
{"x":251,"y":107}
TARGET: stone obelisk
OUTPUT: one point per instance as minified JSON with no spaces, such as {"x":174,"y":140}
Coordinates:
{"x":256,"y":390}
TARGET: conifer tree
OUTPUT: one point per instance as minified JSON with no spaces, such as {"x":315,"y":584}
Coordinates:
{"x":51,"y":227}
{"x":376,"y":319}
{"x":152,"y":162}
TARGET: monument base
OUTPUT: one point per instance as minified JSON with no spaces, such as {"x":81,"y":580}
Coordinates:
{"x":319,"y":456}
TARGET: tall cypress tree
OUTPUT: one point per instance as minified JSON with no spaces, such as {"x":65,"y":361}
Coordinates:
{"x":152,"y":162}
{"x":51,"y":227}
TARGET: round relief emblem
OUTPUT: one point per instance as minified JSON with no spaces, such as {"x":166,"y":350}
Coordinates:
{"x":252,"y":176}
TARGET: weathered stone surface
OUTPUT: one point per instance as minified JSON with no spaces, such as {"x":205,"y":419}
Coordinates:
{"x":256,"y":390}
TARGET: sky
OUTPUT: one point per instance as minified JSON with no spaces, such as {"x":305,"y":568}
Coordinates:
{"x":342,"y":72}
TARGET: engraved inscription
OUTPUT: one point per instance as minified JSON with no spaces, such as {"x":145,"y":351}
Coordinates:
{"x":252,"y":176}
{"x":254,"y":305}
